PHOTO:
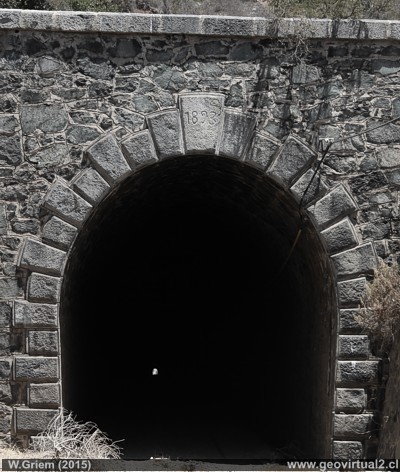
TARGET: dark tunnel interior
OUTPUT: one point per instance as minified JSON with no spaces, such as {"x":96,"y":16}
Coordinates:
{"x":182,"y":268}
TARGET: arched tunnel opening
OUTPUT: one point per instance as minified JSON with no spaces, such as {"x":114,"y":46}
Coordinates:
{"x":184,"y":267}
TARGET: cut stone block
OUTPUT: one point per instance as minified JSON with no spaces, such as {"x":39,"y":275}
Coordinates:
{"x":35,"y":315}
{"x":59,"y":233}
{"x":43,"y":288}
{"x":307,"y":190}
{"x":44,"y":395}
{"x":33,"y":420}
{"x":165,"y":128}
{"x":352,"y":426}
{"x":358,"y":373}
{"x":347,"y":450}
{"x":353,"y":346}
{"x":358,"y":261}
{"x":350,"y":399}
{"x":351,"y":291}
{"x":236,"y":134}
{"x":262,"y":151}
{"x":139,"y":149}
{"x":39,"y":257}
{"x":36,"y":368}
{"x":340,"y":236}
{"x":43,"y":343}
{"x":90,"y":185}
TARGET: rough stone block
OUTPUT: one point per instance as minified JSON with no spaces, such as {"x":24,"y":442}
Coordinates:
{"x":39,"y":257}
{"x":201,"y":116}
{"x":67,"y":204}
{"x":139,"y":149}
{"x":347,"y":321}
{"x":108,"y":159}
{"x":5,"y":314}
{"x":351,"y":291}
{"x":9,"y":288}
{"x":10,"y":19}
{"x":345,"y":450}
{"x":5,"y":418}
{"x":3,"y":219}
{"x":353,"y":346}
{"x":5,"y":368}
{"x":35,"y":315}
{"x":352,"y":426}
{"x":333,"y":207}
{"x":43,"y":343}
{"x":36,"y":368}
{"x":357,"y":261}
{"x":59,"y":233}
{"x":46,"y":117}
{"x":236,"y":134}
{"x":293,"y":159}
{"x":176,"y":24}
{"x":340,"y":236}
{"x":350,"y":400}
{"x":389,"y":133}
{"x":236,"y":26}
{"x":262,"y":151}
{"x":307,"y":190}
{"x":43,"y":288}
{"x":5,"y":343}
{"x":165,"y":128}
{"x":33,"y":420}
{"x":75,"y":21}
{"x":358,"y":373}
{"x":90,"y":185}
{"x":44,"y":395}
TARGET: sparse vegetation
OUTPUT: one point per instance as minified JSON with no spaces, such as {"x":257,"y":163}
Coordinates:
{"x":380,"y":308}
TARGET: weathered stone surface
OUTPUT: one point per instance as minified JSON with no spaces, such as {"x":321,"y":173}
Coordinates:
{"x":347,"y":320}
{"x":388,"y":158}
{"x":48,"y":66}
{"x":43,"y":288}
{"x":3,"y":219}
{"x":8,"y":124}
{"x":358,"y":373}
{"x":262,"y":150}
{"x":353,"y":346}
{"x":352,"y":426}
{"x":5,"y":368}
{"x":10,"y":150}
{"x":35,"y":315}
{"x":59,"y":233}
{"x":345,"y":450}
{"x":44,"y":395}
{"x":166,"y":130}
{"x":340,"y":236}
{"x":139,"y":149}
{"x":78,"y":134}
{"x":201,"y":116}
{"x":293,"y":158}
{"x":10,"y":288}
{"x":354,"y":262}
{"x":334,"y":206}
{"x":68,"y":205}
{"x":48,"y":118}
{"x":43,"y":343}
{"x":90,"y":185}
{"x":236,"y":134}
{"x":5,"y":418}
{"x":36,"y":368}
{"x":350,"y":400}
{"x":304,"y":73}
{"x":5,"y":314}
{"x":33,"y":420}
{"x":351,"y":291}
{"x":108,"y":159}
{"x":39,"y":257}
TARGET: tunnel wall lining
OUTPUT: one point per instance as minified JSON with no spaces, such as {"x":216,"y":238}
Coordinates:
{"x":199,"y":124}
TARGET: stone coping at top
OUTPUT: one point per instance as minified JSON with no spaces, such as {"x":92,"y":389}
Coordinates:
{"x":200,"y":25}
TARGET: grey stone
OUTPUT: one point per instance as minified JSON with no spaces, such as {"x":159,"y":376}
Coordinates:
{"x":67,"y":204}
{"x":201,"y":116}
{"x":48,"y":66}
{"x":165,"y":128}
{"x":75,"y":21}
{"x":108,"y":159}
{"x":49,"y":118}
{"x":388,"y":158}
{"x":9,"y":288}
{"x":353,"y":346}
{"x":5,"y":392}
{"x":309,"y":187}
{"x":332,"y":207}
{"x":139,"y":149}
{"x":43,"y":343}
{"x":293,"y":159}
{"x":10,"y":150}
{"x":340,"y":236}
{"x":390,"y":133}
{"x":43,"y":288}
{"x":5,"y":342}
{"x":10,"y":19}
{"x":59,"y":233}
{"x":33,"y":420}
{"x":262,"y":150}
{"x":35,"y":315}
{"x":39,"y":257}
{"x":5,"y":314}
{"x":5,"y":368}
{"x":22,"y":226}
{"x":385,"y":66}
{"x":351,"y":400}
{"x":351,"y":291}
{"x":347,"y":317}
{"x":354,"y":262}
{"x":144,"y":104}
{"x":51,"y":156}
{"x":129,"y":119}
{"x":3,"y":219}
{"x":304,"y":74}
{"x":8,"y":124}
{"x":98,"y":68}
{"x":79,"y":134}
{"x":90,"y":185}
{"x":358,"y":373}
{"x":352,"y":426}
{"x":36,"y":368}
{"x":236,"y":134}
{"x":5,"y":418}
{"x":345,"y":450}
{"x":44,"y":395}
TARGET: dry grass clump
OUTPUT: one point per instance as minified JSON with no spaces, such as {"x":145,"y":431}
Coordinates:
{"x":380,"y":313}
{"x":66,"y":437}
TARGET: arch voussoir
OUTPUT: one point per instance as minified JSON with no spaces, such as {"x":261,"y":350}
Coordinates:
{"x":166,"y":130}
{"x":39,"y":257}
{"x":58,"y":233}
{"x":309,"y":187}
{"x":262,"y":151}
{"x":340,"y":236}
{"x":236,"y":134}
{"x":354,"y":262}
{"x":139,"y":149}
{"x":90,"y":185}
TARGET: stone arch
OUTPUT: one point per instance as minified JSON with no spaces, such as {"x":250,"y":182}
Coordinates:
{"x":199,"y":125}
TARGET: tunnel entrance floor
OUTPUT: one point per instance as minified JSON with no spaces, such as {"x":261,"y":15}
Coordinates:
{"x":180,"y":269}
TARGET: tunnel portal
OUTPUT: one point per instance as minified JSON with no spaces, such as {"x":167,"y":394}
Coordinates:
{"x":186,"y":267}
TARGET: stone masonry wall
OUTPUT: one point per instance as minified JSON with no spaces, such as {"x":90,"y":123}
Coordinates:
{"x":73,"y":87}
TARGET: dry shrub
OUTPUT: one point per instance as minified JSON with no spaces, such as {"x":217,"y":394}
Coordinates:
{"x":380,"y":307}
{"x":68,"y":438}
